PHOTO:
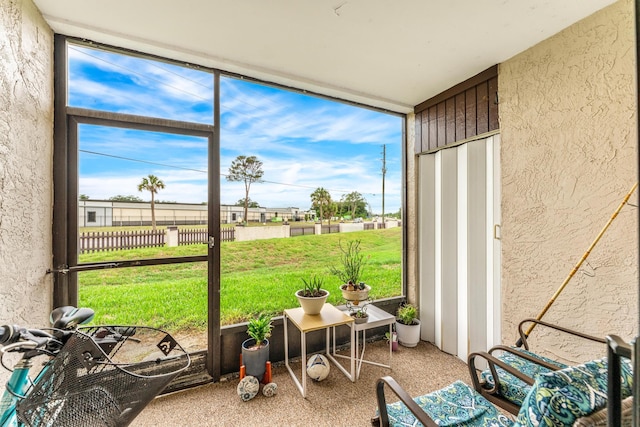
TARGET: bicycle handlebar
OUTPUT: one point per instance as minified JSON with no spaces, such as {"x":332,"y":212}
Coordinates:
{"x":14,"y":337}
{"x":8,"y":333}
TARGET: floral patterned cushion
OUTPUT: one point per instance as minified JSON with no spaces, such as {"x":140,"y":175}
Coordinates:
{"x":559,"y":398}
{"x":512,"y":388}
{"x":455,"y":405}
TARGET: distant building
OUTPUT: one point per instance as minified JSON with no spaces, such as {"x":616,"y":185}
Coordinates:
{"x":107,"y":213}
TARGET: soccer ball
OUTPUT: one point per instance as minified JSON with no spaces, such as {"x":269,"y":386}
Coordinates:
{"x":318,"y":367}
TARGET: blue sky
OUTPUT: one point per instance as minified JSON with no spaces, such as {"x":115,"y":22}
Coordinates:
{"x":304,"y":142}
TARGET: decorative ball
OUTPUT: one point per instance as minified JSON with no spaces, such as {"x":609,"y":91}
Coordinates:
{"x":248,"y":388}
{"x":270,"y":389}
{"x":318,"y":367}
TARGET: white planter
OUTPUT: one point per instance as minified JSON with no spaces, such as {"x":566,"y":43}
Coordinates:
{"x":408,"y":335}
{"x":357,"y":296}
{"x":311,"y":305}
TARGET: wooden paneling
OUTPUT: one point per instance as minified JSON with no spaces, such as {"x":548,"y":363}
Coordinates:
{"x":482,"y":111}
{"x":493,"y":104}
{"x":461,"y":112}
{"x":441,"y":125}
{"x":450,"y":120}
{"x":470,"y":123}
{"x":432,"y":136}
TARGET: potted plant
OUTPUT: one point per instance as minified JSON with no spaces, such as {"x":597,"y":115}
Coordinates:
{"x":359,"y":314}
{"x":312,"y":297}
{"x":408,"y":326}
{"x":255,"y":350}
{"x":353,"y":289}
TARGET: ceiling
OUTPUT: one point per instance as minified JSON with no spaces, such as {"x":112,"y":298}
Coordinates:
{"x":391,"y":54}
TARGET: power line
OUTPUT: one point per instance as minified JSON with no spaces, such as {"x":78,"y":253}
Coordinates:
{"x":203,"y":171}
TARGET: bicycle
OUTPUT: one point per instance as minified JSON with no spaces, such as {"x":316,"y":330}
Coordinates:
{"x":92,"y":375}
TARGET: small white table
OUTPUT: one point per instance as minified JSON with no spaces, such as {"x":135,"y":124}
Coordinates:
{"x":377,"y":317}
{"x":329,"y":318}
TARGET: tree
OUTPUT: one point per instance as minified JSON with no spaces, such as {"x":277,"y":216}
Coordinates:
{"x":321,"y":201}
{"x":83,"y":197}
{"x":120,"y":198}
{"x":152,"y":184}
{"x":353,"y":200}
{"x":251,"y":203}
{"x":247,"y":170}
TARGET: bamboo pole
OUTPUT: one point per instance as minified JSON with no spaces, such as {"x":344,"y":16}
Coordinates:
{"x":577,"y":266}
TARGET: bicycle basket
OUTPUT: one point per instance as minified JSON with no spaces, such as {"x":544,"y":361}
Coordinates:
{"x":103,"y":376}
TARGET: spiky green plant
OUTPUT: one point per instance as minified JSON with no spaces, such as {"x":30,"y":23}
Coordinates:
{"x":312,"y":287}
{"x":352,"y":263}
{"x":259,"y":328}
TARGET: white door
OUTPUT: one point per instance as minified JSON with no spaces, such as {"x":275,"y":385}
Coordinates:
{"x":459,"y":246}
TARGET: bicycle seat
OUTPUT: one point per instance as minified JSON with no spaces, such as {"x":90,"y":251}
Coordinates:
{"x":67,"y":317}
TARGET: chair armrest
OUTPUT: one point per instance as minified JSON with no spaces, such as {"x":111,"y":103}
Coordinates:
{"x":524,"y":336}
{"x":493,"y":361}
{"x":525,"y":356}
{"x":493,"y":394}
{"x":404,"y":398}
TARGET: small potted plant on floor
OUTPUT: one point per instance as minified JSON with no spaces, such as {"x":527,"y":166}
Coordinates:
{"x":312,"y":297}
{"x":255,"y":350}
{"x":353,"y":289}
{"x":408,"y":325}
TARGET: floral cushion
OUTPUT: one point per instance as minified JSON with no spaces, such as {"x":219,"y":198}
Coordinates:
{"x":511,"y":388}
{"x":559,"y":398}
{"x":455,"y":405}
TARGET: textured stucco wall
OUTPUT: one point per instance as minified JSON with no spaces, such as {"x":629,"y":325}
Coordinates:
{"x":568,"y":156}
{"x":26,"y":144}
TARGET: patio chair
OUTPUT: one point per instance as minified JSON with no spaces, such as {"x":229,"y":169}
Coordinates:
{"x":502,"y":387}
{"x":556,"y":398}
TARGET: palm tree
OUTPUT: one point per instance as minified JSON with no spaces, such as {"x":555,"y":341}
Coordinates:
{"x":152,"y":184}
{"x":321,"y":199}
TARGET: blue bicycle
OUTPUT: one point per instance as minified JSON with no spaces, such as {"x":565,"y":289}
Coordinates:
{"x":91,"y":375}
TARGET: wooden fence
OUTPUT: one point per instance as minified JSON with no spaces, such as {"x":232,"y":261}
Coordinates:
{"x":200,"y":235}
{"x":301,"y":231}
{"x":94,"y":241}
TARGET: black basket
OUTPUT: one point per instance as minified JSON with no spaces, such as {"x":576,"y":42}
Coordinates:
{"x":103,"y":376}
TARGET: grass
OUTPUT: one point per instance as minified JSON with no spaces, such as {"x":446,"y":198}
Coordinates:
{"x":256,"y":277}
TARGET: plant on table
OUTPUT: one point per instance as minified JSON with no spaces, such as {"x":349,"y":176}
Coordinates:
{"x":313,"y":287}
{"x":353,"y":289}
{"x":312,"y":297}
{"x":359,"y":313}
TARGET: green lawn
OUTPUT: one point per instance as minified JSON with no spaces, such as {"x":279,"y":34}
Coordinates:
{"x":257,"y":276}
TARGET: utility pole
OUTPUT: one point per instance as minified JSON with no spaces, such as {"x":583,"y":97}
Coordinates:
{"x":384,"y":172}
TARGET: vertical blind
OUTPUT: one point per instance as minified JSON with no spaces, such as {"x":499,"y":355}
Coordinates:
{"x":459,"y":217}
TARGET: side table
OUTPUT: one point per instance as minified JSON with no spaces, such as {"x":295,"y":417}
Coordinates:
{"x":377,"y":317}
{"x":329,"y":318}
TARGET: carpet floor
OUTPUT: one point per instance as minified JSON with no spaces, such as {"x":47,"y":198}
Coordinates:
{"x":336,"y":401}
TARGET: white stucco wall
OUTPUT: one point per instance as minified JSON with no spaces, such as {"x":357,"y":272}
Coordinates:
{"x":26,"y":147}
{"x":568,"y":124}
